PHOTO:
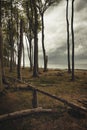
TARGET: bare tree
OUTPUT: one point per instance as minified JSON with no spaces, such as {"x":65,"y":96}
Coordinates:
{"x":68,"y":44}
{"x":11,"y":36}
{"x":0,"y":52}
{"x":20,"y":50}
{"x":35,"y":68}
{"x":43,"y":6}
{"x":72,"y":31}
{"x":2,"y":75}
{"x":30,"y":14}
{"x":23,"y":57}
{"x":27,"y":48}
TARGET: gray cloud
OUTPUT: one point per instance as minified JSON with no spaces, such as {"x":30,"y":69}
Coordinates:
{"x":55,"y":34}
{"x":80,"y":5}
{"x":58,"y":56}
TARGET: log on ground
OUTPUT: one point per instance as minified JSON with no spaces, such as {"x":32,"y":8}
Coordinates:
{"x":23,"y":113}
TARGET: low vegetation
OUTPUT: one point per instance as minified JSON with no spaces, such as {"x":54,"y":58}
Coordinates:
{"x":56,"y":82}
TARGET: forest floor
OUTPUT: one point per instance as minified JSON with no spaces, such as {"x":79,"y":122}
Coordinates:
{"x":54,"y":81}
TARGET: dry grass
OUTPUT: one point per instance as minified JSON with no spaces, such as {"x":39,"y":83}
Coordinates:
{"x":56,"y":82}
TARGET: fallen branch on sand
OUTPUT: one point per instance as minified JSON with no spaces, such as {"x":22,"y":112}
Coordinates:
{"x":23,"y":113}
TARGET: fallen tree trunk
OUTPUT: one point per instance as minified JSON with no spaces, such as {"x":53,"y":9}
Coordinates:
{"x":73,"y":105}
{"x":84,"y":102}
{"x":23,"y":113}
{"x":70,"y":104}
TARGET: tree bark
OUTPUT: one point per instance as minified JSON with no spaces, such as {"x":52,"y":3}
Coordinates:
{"x":35,"y":68}
{"x":34,"y":99}
{"x":23,"y":113}
{"x":27,"y":48}
{"x":29,"y":36}
{"x":11,"y":38}
{"x":72,"y":32}
{"x":17,"y":26}
{"x":1,"y":51}
{"x":20,"y":50}
{"x":30,"y":48}
{"x":30,"y":43}
{"x":68,"y":44}
{"x":1,"y":85}
{"x":43,"y":47}
{"x":23,"y":57}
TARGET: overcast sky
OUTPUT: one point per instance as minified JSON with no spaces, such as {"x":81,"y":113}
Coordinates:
{"x":55,"y":34}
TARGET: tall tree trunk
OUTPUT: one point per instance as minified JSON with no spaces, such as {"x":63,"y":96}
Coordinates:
{"x":17,"y":26}
{"x":30,"y":47}
{"x":43,"y":47}
{"x":20,"y":50}
{"x":1,"y":73}
{"x":72,"y":31}
{"x":27,"y":48}
{"x":29,"y":52}
{"x":30,"y":43}
{"x":30,"y":56}
{"x":8,"y":61}
{"x":29,"y":35}
{"x":17,"y":22}
{"x":68,"y":44}
{"x":35,"y":69}
{"x":11,"y":39}
{"x":23,"y":57}
{"x":1,"y":53}
{"x":1,"y":85}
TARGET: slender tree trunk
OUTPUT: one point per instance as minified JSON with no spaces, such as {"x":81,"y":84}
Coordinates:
{"x":32,"y":55}
{"x":30,"y":43}
{"x":35,"y":69}
{"x":30,"y":47}
{"x":72,"y":31}
{"x":17,"y":22}
{"x":68,"y":44}
{"x":43,"y":47}
{"x":1,"y":73}
{"x":8,"y":59}
{"x":1,"y":53}
{"x":17,"y":26}
{"x":1,"y":85}
{"x":20,"y":50}
{"x":27,"y":49}
{"x":23,"y":57}
{"x":30,"y":31}
{"x":11,"y":39}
